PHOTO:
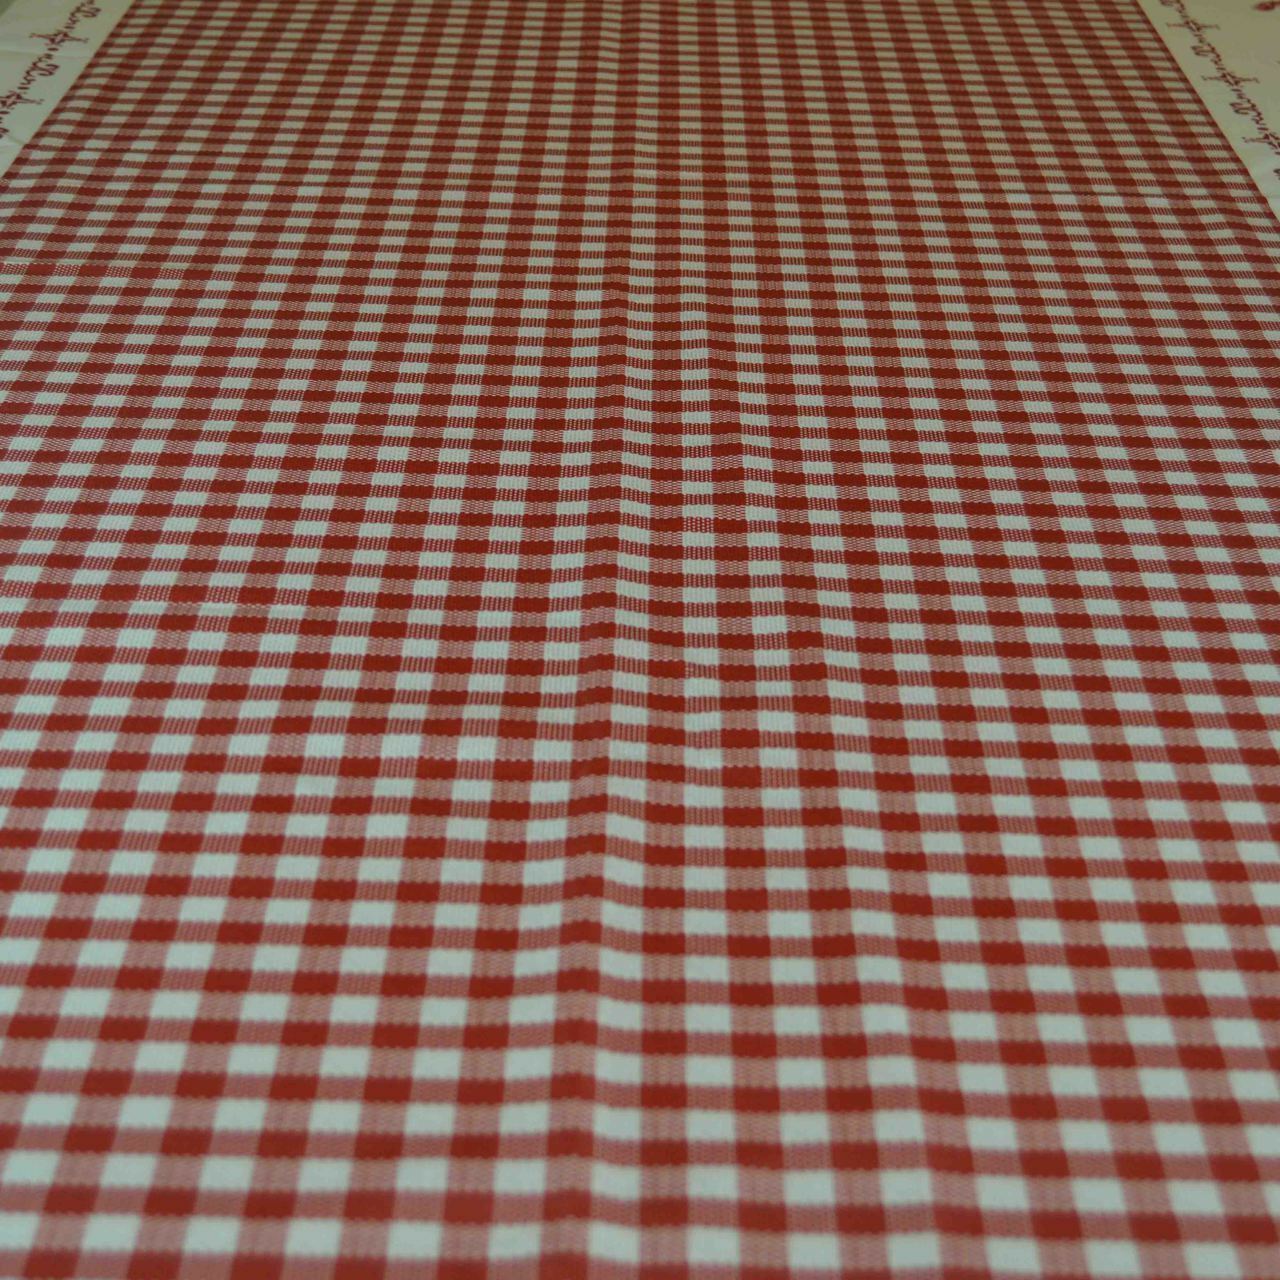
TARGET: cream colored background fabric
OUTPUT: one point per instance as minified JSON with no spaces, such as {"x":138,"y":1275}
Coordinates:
{"x":44,"y":45}
{"x":1230,"y":51}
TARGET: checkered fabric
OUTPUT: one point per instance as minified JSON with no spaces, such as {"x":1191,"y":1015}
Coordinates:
{"x":639,"y":638}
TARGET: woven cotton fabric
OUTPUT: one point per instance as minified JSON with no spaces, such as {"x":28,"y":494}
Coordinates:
{"x":639,"y":638}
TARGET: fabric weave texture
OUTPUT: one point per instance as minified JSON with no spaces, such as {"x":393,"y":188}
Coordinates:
{"x":639,"y":638}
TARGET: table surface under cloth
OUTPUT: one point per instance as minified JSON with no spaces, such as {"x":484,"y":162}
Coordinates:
{"x":639,"y":638}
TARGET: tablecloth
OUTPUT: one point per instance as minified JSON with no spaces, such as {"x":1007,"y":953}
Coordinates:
{"x":639,"y":638}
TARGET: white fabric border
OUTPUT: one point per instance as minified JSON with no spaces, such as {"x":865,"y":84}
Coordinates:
{"x":44,"y":46}
{"x":1230,"y":52}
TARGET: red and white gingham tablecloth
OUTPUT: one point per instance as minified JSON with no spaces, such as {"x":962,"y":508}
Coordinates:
{"x":639,"y":638}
